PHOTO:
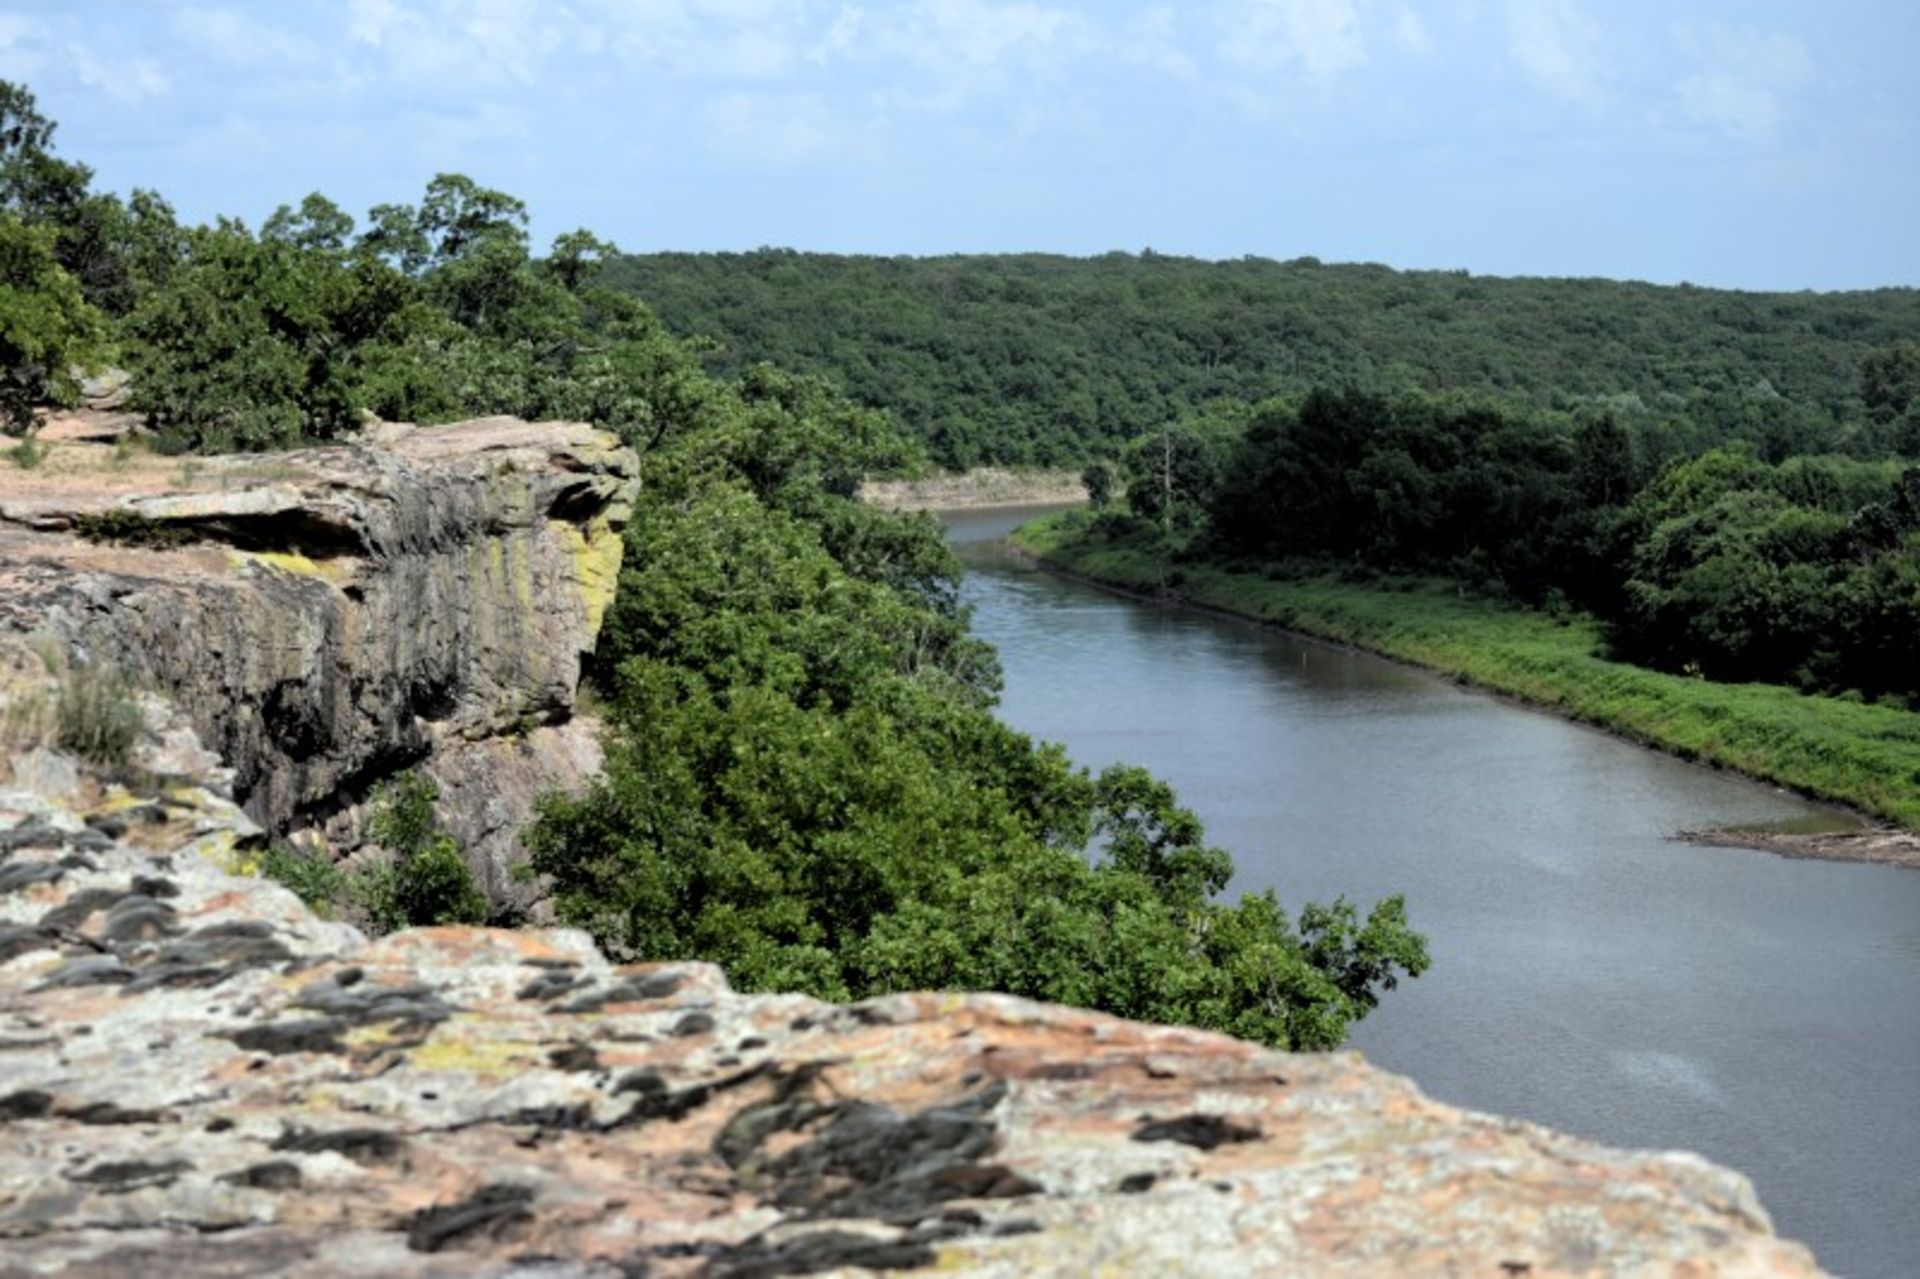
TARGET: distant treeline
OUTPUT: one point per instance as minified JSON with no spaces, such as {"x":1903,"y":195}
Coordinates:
{"x":1038,"y":360}
{"x":1804,"y":571}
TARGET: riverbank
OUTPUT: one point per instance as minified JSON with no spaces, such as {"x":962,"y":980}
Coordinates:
{"x":1863,"y":757}
{"x":980,"y":489}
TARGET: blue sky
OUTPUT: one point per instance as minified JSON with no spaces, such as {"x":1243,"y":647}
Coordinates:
{"x":1755,"y":144}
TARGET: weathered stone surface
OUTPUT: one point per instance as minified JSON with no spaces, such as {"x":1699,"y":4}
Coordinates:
{"x":198,"y":1077}
{"x":327,"y":617}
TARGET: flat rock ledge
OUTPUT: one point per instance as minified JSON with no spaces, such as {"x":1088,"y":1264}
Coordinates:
{"x":199,"y":1077}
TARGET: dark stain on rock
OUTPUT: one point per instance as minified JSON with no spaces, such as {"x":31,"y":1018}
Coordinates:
{"x":634,"y":990}
{"x":16,"y":941}
{"x":26,"y":874}
{"x":304,"y":1035}
{"x":551,"y":985}
{"x":493,"y":1212}
{"x":28,"y":1103}
{"x":1136,"y":1183}
{"x":138,"y":917}
{"x":77,"y":909}
{"x":358,"y":1005}
{"x":241,"y":943}
{"x":275,"y":1174}
{"x":362,"y":1145}
{"x":695,"y":1023}
{"x":107,"y":1112}
{"x":88,"y":970}
{"x":155,"y":887}
{"x":811,"y":1254}
{"x":574,"y":1057}
{"x":122,"y":1175}
{"x":659,"y":1101}
{"x":1203,"y":1132}
{"x":868,"y":1160}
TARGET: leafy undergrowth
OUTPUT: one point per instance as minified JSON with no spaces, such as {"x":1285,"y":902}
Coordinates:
{"x":1866,"y":756}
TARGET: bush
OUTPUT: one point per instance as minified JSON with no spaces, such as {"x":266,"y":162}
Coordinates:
{"x":314,"y":880}
{"x":96,"y":717}
{"x":426,"y":880}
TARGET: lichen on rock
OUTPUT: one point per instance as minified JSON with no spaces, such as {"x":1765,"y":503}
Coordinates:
{"x":329,"y":617}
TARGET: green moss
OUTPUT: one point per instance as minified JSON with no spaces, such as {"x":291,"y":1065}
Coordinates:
{"x":1866,"y":756}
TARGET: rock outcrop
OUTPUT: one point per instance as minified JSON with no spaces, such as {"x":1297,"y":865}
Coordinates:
{"x":197,"y":1077}
{"x":328,"y":617}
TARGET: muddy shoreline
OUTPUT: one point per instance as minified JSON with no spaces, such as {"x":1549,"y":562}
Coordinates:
{"x":1883,"y":845}
{"x":977,"y":490}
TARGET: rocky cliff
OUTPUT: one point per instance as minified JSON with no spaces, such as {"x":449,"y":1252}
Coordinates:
{"x":326,"y":618}
{"x":197,"y":1077}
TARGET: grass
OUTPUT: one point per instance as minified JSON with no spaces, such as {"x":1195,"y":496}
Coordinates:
{"x":1864,"y":756}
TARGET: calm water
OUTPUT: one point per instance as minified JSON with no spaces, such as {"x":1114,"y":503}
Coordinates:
{"x":1588,"y":973}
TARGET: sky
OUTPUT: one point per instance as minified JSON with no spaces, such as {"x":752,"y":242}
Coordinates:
{"x":1756,"y":144}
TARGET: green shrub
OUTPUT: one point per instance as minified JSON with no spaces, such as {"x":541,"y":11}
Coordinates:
{"x":426,"y":880}
{"x":118,"y":526}
{"x":96,"y":716}
{"x":314,"y":880}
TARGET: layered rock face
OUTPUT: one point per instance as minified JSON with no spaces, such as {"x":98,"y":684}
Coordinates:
{"x":197,"y":1077}
{"x":331,"y":616}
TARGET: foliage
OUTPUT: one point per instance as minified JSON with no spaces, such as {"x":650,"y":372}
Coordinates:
{"x":425,"y":879}
{"x":119,"y":526}
{"x":46,"y":326}
{"x":320,"y":883}
{"x":1721,"y":564}
{"x":1039,"y":360}
{"x":96,"y":716}
{"x":804,"y":781}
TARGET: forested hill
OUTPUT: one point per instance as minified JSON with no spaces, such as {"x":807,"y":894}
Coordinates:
{"x":1050,"y":360}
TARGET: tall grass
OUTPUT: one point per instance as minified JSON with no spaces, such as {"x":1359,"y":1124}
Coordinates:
{"x":1865,"y":756}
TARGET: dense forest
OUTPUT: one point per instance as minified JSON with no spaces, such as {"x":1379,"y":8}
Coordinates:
{"x":805,"y":781}
{"x":1723,"y":565}
{"x":1034,"y":360}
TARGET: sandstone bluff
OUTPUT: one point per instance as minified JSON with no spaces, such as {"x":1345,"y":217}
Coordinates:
{"x":200,"y":1077}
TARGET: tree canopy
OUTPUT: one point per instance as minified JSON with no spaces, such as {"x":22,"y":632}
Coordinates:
{"x":1038,"y":360}
{"x":804,"y":779}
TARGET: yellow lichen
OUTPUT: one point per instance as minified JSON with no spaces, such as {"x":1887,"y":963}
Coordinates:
{"x":330,"y":571}
{"x":595,"y":552}
{"x":454,"y":1048}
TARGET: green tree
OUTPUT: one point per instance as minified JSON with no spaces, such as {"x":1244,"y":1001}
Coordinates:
{"x":425,"y":880}
{"x":46,"y":326}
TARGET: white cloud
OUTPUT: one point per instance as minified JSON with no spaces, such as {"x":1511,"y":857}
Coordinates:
{"x":462,"y":43}
{"x":1321,"y":37}
{"x":1151,"y":38}
{"x":22,"y":41}
{"x":1408,"y":31}
{"x":129,"y":82}
{"x":1558,"y":45}
{"x":236,"y":38}
{"x":1746,"y":81}
{"x":772,"y":130}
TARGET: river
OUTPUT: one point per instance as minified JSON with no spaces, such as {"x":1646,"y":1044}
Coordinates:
{"x":1588,"y":973}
